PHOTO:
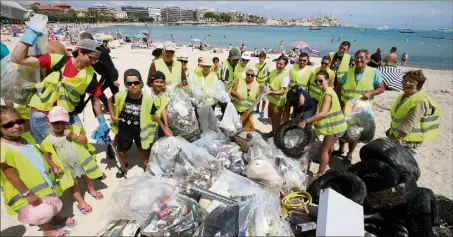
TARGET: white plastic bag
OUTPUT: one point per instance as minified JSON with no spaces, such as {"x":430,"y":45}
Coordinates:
{"x":217,"y":90}
{"x":231,"y":158}
{"x":258,"y":149}
{"x":360,"y":119}
{"x":181,"y":116}
{"x":231,"y":123}
{"x":265,"y":173}
{"x":207,"y":119}
{"x":211,"y":141}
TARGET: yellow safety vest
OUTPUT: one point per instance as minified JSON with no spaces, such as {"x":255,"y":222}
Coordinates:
{"x":231,"y":73}
{"x":333,"y":122}
{"x":216,"y":70}
{"x":249,"y":98}
{"x":24,"y":111}
{"x":27,"y":173}
{"x":426,"y":129}
{"x":160,"y":102}
{"x":147,"y":125}
{"x":173,"y":77}
{"x":262,"y":77}
{"x":344,"y":65}
{"x":300,"y":78}
{"x":350,"y":90}
{"x":313,"y":89}
{"x":275,"y":83}
{"x":204,"y":84}
{"x":65,"y":92}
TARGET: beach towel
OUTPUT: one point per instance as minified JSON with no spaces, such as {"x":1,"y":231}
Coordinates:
{"x":392,"y":77}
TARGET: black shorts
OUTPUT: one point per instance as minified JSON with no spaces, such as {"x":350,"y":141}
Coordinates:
{"x":125,"y":138}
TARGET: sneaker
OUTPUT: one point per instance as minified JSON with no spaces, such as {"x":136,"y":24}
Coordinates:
{"x":255,"y":112}
{"x":110,"y":153}
{"x":262,"y":114}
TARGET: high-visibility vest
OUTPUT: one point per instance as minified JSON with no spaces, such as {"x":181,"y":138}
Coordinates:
{"x":147,"y":125}
{"x":24,"y":111}
{"x":333,"y":122}
{"x":344,"y":65}
{"x":300,"y":78}
{"x":239,"y":74}
{"x":262,"y":77}
{"x":231,"y":73}
{"x":426,"y":129}
{"x":216,"y":70}
{"x":313,"y":89}
{"x":249,"y":98}
{"x":65,"y":92}
{"x":204,"y":84}
{"x":351,"y":90}
{"x":160,"y":102}
{"x":171,"y":78}
{"x":27,"y":173}
{"x":275,"y":83}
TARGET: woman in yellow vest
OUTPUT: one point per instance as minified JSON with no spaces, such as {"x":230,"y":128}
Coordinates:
{"x":313,"y":89}
{"x":262,"y":78}
{"x":276,"y":94}
{"x":202,"y":80}
{"x":301,"y":73}
{"x":245,"y":91}
{"x":415,"y":115}
{"x":329,"y":119}
{"x":130,"y":111}
{"x":70,"y":150}
{"x":27,"y":175}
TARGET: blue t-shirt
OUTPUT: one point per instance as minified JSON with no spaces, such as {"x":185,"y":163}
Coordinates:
{"x":376,"y":81}
{"x":4,"y":51}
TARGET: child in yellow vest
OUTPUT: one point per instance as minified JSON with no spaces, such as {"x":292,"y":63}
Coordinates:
{"x":70,"y":150}
{"x":160,"y":101}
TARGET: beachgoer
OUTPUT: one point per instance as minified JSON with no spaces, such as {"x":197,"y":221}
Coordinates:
{"x":361,"y":82}
{"x":376,"y":59}
{"x":262,"y":77}
{"x":169,"y":65}
{"x":313,"y":88}
{"x":190,"y":42}
{"x":70,"y":150}
{"x":329,"y":120}
{"x":203,"y":79}
{"x":159,"y":114}
{"x":230,"y":47}
{"x":301,"y":73}
{"x":172,"y":38}
{"x":245,"y":91}
{"x":184,"y":60}
{"x":240,"y":67}
{"x":340,"y":61}
{"x":130,"y":111}
{"x":404,"y":58}
{"x":216,"y":67}
{"x":23,"y":169}
{"x":300,"y":101}
{"x":77,"y":78}
{"x":390,"y":60}
{"x":105,"y":46}
{"x":243,"y":48}
{"x":281,"y":47}
{"x":227,"y":74}
{"x":157,"y":53}
{"x":415,"y":114}
{"x":276,"y":94}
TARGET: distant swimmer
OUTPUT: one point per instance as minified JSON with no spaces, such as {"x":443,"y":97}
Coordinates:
{"x":224,"y":36}
{"x":338,"y":39}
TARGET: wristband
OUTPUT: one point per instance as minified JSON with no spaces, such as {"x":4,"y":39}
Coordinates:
{"x":26,"y":193}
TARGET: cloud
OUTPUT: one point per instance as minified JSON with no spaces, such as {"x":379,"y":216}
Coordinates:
{"x":436,"y":12}
{"x":118,"y":3}
{"x":267,"y":7}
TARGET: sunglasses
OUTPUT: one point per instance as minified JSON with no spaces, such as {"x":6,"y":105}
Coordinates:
{"x":251,"y":75}
{"x":59,"y":123}
{"x":319,"y":81}
{"x":235,"y":60}
{"x":324,"y":63}
{"x":244,"y":60}
{"x":135,"y":83}
{"x":13,"y":123}
{"x":304,"y":61}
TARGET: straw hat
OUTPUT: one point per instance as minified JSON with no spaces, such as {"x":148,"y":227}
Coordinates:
{"x":42,"y":213}
{"x":205,"y":62}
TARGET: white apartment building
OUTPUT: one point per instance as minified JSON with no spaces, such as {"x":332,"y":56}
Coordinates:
{"x":120,"y":15}
{"x":155,"y":13}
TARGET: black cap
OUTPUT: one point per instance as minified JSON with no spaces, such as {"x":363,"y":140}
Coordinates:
{"x":132,"y":73}
{"x":158,"y":75}
{"x":294,"y":93}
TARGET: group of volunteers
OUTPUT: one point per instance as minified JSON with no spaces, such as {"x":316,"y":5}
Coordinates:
{"x":39,"y":165}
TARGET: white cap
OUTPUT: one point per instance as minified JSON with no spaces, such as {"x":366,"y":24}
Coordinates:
{"x":183,"y":56}
{"x":246,"y":56}
{"x":169,"y":46}
{"x":159,"y":46}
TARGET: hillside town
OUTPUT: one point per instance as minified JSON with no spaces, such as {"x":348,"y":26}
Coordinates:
{"x":170,"y":14}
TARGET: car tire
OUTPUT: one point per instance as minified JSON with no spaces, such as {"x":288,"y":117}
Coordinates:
{"x":298,"y":150}
{"x":422,"y":213}
{"x":376,"y":174}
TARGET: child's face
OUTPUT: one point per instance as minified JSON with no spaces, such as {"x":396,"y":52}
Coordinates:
{"x":58,"y":126}
{"x":12,"y":125}
{"x":133,"y":84}
{"x":158,"y":84}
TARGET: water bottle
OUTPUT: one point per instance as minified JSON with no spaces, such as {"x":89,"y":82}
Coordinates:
{"x":38,"y":23}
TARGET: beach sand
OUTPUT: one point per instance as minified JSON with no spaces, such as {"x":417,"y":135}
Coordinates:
{"x":435,"y":157}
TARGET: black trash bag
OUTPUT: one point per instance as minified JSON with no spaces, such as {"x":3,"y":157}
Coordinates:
{"x":298,"y":138}
{"x":381,"y":227}
{"x":376,"y":174}
{"x":347,"y":184}
{"x":422,"y":213}
{"x":445,"y":206}
{"x":222,"y":221}
{"x":393,"y":154}
{"x":387,"y":199}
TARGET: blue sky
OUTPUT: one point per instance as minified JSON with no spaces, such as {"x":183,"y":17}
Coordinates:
{"x":428,"y":14}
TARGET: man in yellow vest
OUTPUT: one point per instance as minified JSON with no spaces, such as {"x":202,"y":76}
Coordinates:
{"x":227,"y":73}
{"x":301,"y":73}
{"x":262,"y":77}
{"x":217,"y":66}
{"x":340,"y":60}
{"x":313,"y":89}
{"x":362,"y":82}
{"x":415,"y":115}
{"x":169,"y":65}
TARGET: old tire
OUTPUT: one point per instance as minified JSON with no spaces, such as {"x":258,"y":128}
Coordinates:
{"x":298,"y":150}
{"x":376,"y":175}
{"x":380,"y":227}
{"x":387,"y":199}
{"x":393,"y":154}
{"x":445,"y":207}
{"x":347,"y":184}
{"x":422,"y":213}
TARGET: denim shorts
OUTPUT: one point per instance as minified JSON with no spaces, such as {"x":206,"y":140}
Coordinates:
{"x":39,"y":127}
{"x":339,"y":134}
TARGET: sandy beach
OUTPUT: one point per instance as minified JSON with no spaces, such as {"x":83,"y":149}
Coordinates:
{"x":435,"y":157}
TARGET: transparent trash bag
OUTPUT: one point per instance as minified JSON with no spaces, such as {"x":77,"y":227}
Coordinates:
{"x":211,"y":141}
{"x":232,"y":186}
{"x":231,"y":123}
{"x":265,"y":173}
{"x":231,"y":158}
{"x":294,"y":137}
{"x":222,"y":221}
{"x":360,"y":119}
{"x":174,"y":157}
{"x":258,"y":149}
{"x":217,"y":91}
{"x":181,"y":116}
{"x":207,"y":119}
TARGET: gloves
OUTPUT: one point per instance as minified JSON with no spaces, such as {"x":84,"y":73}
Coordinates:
{"x":101,"y":134}
{"x":30,"y":36}
{"x":101,"y":120}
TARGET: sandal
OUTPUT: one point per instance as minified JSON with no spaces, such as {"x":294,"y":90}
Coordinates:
{"x":65,"y":223}
{"x":347,"y":160}
{"x":97,"y":196}
{"x":337,"y":153}
{"x":119,"y":173}
{"x":83,"y":211}
{"x":61,"y":233}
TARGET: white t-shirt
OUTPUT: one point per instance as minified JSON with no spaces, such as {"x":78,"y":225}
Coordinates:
{"x":149,"y":91}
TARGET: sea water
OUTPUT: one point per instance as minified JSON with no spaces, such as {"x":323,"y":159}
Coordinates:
{"x":423,"y":52}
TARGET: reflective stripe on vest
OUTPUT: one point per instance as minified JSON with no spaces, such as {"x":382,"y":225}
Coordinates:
{"x":344,"y":65}
{"x":334,"y":122}
{"x":275,"y":83}
{"x":426,"y":129}
{"x":262,"y":76}
{"x":35,"y":189}
{"x":249,"y":98}
{"x":351,"y":90}
{"x":227,"y":66}
{"x":173,"y":77}
{"x":300,"y":78}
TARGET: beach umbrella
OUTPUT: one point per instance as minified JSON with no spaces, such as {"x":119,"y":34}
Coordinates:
{"x":14,"y":10}
{"x":106,"y":37}
{"x":392,"y":77}
{"x":196,"y":40}
{"x":299,"y":44}
{"x":145,"y":32}
{"x":139,"y":36}
{"x":312,"y":51}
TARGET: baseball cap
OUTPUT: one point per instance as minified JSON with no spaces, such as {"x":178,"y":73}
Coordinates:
{"x":183,"y":56}
{"x":169,"y":46}
{"x":246,"y":56}
{"x":57,"y":114}
{"x":88,"y":44}
{"x":158,"y":75}
{"x":42,"y":213}
{"x":159,"y":46}
{"x":234,"y":54}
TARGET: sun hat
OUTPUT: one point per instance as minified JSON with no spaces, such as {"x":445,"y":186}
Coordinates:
{"x":246,"y":56}
{"x":158,"y":75}
{"x":205,"y":62}
{"x":234,"y":54}
{"x":42,"y":213}
{"x":159,"y":45}
{"x":57,"y":114}
{"x":88,"y":44}
{"x":183,"y":56}
{"x":169,"y":46}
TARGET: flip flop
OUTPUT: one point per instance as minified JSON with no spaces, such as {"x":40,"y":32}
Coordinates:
{"x":96,"y":196}
{"x":74,"y":223}
{"x":62,"y":233}
{"x":82,"y":210}
{"x":347,"y":160}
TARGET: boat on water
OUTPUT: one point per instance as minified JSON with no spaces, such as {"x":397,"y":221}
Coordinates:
{"x":384,"y":27}
{"x":441,"y":29}
{"x":315,"y":28}
{"x":408,"y":30}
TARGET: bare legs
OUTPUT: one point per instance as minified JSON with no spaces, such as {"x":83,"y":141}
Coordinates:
{"x":326,"y":149}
